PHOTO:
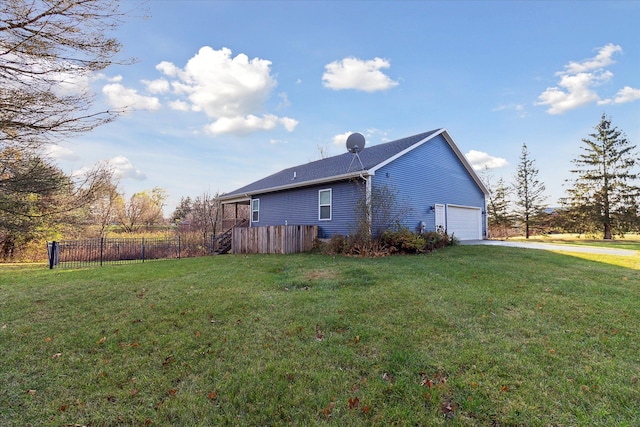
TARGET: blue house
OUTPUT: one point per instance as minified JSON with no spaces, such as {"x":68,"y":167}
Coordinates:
{"x":432,"y":184}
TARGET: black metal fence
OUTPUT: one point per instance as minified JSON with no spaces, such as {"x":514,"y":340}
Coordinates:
{"x":99,"y":251}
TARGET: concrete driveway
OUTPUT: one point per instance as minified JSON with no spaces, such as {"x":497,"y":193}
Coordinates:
{"x":552,"y":247}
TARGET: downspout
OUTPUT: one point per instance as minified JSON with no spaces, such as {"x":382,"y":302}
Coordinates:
{"x":485,"y":215}
{"x":368,"y":202}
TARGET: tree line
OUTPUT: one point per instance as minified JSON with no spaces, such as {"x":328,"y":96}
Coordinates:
{"x":601,"y":199}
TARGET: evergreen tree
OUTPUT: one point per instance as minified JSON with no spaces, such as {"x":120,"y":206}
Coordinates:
{"x":499,"y":216}
{"x":529,"y":192}
{"x":603,"y":194}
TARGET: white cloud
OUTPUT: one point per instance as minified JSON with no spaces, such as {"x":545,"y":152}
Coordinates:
{"x":518,"y":108}
{"x":156,"y":86}
{"x":626,"y":94}
{"x":480,"y":160}
{"x":123,"y":168}
{"x":124,"y":98}
{"x":60,"y":153}
{"x":230,"y":90}
{"x":577,"y":83}
{"x":167,"y":68}
{"x":601,"y":60}
{"x":284,"y":100}
{"x":574,"y":91}
{"x":250,"y":123}
{"x":288,"y":123}
{"x":179,"y":105}
{"x":341,"y":139}
{"x":354,"y":73}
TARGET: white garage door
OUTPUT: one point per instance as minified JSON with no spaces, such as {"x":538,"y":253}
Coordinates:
{"x":464,"y":223}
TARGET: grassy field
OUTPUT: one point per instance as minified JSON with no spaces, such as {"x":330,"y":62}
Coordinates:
{"x":467,"y":336}
{"x":631,"y":241}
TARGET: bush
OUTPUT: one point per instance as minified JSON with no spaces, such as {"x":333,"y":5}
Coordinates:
{"x":337,"y":244}
{"x":402,"y":241}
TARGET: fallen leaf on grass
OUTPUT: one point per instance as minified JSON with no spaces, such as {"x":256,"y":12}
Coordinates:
{"x":31,"y":392}
{"x":172,"y":392}
{"x":133,"y":392}
{"x":63,"y":408}
{"x":55,"y":356}
{"x":354,"y":403}
{"x":448,"y":409}
{"x":356,"y":340}
{"x":212,"y":396}
{"x":47,"y":339}
{"x":365,"y":409}
{"x":327,"y":411}
{"x":197,"y":334}
{"x":102,"y":340}
{"x":426,"y":381}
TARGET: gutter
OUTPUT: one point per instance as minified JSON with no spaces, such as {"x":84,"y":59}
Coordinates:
{"x":234,"y":198}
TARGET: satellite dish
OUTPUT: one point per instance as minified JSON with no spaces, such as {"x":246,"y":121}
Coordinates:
{"x":355,"y":143}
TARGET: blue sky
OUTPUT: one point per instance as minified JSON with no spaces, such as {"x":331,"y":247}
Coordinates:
{"x":224,"y":93}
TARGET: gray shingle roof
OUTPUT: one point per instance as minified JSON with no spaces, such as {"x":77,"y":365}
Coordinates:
{"x":330,"y":167}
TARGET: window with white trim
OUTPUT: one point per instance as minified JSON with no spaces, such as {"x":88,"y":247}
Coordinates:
{"x":255,"y":210}
{"x":324,"y":205}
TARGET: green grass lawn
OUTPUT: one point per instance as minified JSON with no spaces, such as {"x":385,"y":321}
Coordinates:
{"x":467,"y":336}
{"x":630,"y":241}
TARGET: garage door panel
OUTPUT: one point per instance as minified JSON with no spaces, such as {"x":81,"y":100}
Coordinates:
{"x":464,"y":223}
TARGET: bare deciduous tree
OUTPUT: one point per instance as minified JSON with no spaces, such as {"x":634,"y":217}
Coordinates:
{"x":48,"y":52}
{"x":142,"y":209}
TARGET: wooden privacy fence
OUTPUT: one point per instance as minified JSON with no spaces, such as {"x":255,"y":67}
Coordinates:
{"x":278,"y":239}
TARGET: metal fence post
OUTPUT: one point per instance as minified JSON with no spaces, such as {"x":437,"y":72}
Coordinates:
{"x":143,"y":249}
{"x":52,"y":254}
{"x":101,"y":249}
{"x":179,"y":248}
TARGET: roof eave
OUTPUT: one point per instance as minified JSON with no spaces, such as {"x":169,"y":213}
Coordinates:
{"x":235,"y":198}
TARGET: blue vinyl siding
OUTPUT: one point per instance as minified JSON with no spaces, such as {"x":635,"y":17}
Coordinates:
{"x":300,"y":207}
{"x":430,"y":174}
